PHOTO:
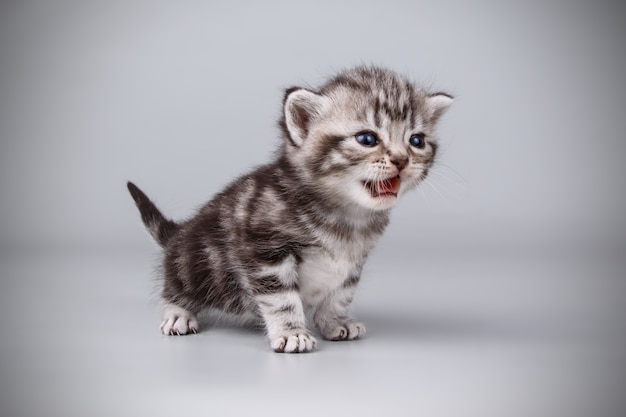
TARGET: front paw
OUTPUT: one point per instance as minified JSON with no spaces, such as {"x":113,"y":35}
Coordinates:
{"x":177,"y":321}
{"x":293,"y":342}
{"x":348,"y":330}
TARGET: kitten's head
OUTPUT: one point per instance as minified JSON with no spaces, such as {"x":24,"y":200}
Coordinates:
{"x":366,"y":136}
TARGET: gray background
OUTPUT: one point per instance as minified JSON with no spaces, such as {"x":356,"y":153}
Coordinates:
{"x":497,"y":290}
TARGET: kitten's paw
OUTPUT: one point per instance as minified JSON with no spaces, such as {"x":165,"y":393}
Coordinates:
{"x":297,"y":342}
{"x":349,"y":330}
{"x":177,"y":321}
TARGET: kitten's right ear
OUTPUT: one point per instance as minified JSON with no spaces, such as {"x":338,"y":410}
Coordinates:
{"x":301,"y":107}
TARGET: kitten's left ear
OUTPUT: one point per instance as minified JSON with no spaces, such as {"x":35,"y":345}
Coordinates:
{"x":301,"y":107}
{"x":437,"y":105}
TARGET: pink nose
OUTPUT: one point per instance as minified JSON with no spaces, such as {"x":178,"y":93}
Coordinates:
{"x":399,"y":161}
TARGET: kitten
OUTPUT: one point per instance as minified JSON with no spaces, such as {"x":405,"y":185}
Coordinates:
{"x":292,"y":236}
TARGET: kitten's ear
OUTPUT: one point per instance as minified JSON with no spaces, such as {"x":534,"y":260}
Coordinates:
{"x":437,"y":105}
{"x":301,"y":107}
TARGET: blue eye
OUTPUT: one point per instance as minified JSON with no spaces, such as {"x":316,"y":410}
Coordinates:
{"x":418,"y":141}
{"x":367,"y":139}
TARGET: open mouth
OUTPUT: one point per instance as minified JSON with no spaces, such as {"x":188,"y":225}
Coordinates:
{"x":388,"y":187}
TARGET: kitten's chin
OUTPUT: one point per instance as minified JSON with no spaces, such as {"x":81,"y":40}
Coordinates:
{"x":381,"y":202}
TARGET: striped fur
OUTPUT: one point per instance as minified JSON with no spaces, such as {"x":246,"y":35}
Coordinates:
{"x":292,"y":236}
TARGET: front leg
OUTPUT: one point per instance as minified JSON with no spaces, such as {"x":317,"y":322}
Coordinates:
{"x":275,"y":291}
{"x":333,"y":318}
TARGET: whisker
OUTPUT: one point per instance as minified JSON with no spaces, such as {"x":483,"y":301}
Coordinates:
{"x":455,"y":172}
{"x":442,"y":176}
{"x":423,"y":194}
{"x":429,"y":183}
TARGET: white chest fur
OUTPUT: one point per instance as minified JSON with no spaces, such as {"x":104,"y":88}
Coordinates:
{"x":323,"y":270}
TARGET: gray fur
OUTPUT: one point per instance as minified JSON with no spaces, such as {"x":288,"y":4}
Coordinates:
{"x":293,"y":235}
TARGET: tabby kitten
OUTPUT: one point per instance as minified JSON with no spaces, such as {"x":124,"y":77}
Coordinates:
{"x":291,"y":237}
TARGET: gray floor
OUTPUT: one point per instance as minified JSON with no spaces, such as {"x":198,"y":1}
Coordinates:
{"x":470,"y":335}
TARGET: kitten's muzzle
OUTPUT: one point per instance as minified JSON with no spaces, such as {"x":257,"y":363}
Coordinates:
{"x":400,"y":162}
{"x":388,"y":187}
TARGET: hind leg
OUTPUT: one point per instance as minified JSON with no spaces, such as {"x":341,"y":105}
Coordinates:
{"x":177,"y":321}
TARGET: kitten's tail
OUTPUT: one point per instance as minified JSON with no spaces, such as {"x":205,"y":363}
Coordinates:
{"x":160,"y":228}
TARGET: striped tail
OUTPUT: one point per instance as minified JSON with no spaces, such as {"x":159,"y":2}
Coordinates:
{"x":160,"y":228}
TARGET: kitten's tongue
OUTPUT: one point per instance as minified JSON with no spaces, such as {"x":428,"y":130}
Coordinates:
{"x":384,"y":187}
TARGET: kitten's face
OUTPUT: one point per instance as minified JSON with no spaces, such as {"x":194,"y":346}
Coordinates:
{"x":370,"y":163}
{"x":367,"y":139}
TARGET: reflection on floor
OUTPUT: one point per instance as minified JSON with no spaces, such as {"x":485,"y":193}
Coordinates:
{"x":458,"y":336}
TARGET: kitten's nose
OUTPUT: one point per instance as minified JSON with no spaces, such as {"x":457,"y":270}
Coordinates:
{"x":399,"y":161}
